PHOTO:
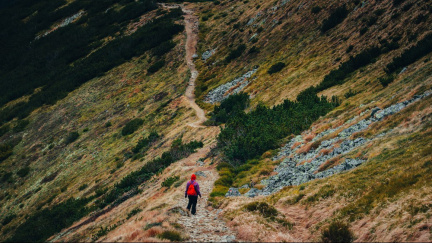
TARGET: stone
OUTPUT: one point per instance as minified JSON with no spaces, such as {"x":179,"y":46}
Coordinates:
{"x":224,"y":91}
{"x":200,"y":173}
{"x":245,"y":186}
{"x":253,"y":192}
{"x":233,"y":192}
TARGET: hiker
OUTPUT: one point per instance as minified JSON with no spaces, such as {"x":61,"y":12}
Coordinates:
{"x":192,"y":191}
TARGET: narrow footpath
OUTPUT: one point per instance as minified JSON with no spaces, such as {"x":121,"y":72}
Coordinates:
{"x":206,"y":225}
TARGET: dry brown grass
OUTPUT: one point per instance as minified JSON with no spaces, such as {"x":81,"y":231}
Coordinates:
{"x":152,"y":232}
{"x":309,"y":137}
{"x":329,"y":163}
{"x":295,"y":145}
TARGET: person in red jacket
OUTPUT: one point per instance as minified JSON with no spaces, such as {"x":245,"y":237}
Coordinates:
{"x":192,"y":191}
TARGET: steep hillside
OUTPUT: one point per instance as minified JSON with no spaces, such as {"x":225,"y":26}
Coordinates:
{"x":310,"y":115}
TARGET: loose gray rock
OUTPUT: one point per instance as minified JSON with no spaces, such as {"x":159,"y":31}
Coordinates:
{"x":224,"y":91}
{"x":200,"y":173}
{"x":233,"y":192}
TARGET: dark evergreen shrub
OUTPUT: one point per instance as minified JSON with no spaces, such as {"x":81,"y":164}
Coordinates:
{"x":72,"y":137}
{"x":235,"y":53}
{"x":20,"y":126}
{"x":23,"y":172}
{"x":337,"y":232}
{"x":263,"y":208}
{"x":155,"y":67}
{"x":171,"y":235}
{"x":132,"y":126}
{"x":276,"y":68}
{"x":335,"y":18}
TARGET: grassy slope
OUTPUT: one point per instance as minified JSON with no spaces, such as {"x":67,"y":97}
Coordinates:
{"x":381,"y":200}
{"x":125,"y":93}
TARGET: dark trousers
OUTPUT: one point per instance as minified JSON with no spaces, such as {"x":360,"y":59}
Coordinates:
{"x":192,"y":203}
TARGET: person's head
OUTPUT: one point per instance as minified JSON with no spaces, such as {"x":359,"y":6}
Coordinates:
{"x":193,"y":177}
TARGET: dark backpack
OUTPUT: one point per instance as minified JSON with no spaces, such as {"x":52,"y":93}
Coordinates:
{"x":191,"y":189}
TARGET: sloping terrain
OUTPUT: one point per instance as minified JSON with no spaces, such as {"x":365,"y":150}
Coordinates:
{"x":110,"y":155}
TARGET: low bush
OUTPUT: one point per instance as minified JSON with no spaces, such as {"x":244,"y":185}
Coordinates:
{"x":82,"y":187}
{"x":385,"y":81}
{"x":410,"y":55}
{"x":6,"y":150}
{"x":23,"y":172}
{"x":335,"y":18}
{"x":316,"y":9}
{"x":169,"y":181}
{"x":337,"y":232}
{"x":235,"y":53}
{"x":276,"y":68}
{"x":20,"y":126}
{"x":7,"y":177}
{"x":72,"y":137}
{"x":163,"y":48}
{"x":263,"y":208}
{"x":171,"y":235}
{"x":132,"y":126}
{"x":145,"y":143}
{"x":247,"y":136}
{"x":8,"y":219}
{"x":350,"y":93}
{"x":230,"y":107}
{"x":155,"y":67}
{"x":4,"y":129}
{"x":367,"y":56}
{"x":134,"y":212}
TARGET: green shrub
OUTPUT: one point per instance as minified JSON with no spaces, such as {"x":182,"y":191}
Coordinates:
{"x":132,"y":126}
{"x":151,"y":225}
{"x":350,"y":93}
{"x":82,"y":187}
{"x":235,"y":53}
{"x":6,"y":150}
{"x":316,"y":9}
{"x":276,"y":68}
{"x":335,"y":18}
{"x":367,"y":56}
{"x":145,"y":143}
{"x":263,"y":208}
{"x":108,"y":124}
{"x":385,"y":81}
{"x":163,"y":48}
{"x":72,"y":137}
{"x":231,"y":106}
{"x":7,"y":177}
{"x":134,"y":212}
{"x":23,"y":172}
{"x":247,"y":136}
{"x":337,"y":232}
{"x":170,"y":180}
{"x":171,"y":235}
{"x":8,"y":219}
{"x":155,"y":67}
{"x":410,"y":55}
{"x":4,"y":129}
{"x":253,"y":50}
{"x":20,"y":126}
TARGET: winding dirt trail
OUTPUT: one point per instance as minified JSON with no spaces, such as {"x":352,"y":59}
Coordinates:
{"x":191,"y":26}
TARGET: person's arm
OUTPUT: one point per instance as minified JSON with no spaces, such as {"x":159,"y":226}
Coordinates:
{"x":187,"y":186}
{"x":197,"y":189}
